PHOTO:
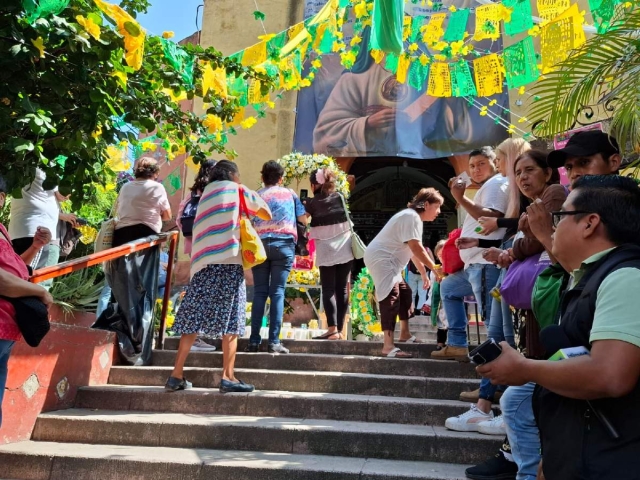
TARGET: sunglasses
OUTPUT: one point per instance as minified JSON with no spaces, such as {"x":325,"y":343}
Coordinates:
{"x":557,"y":216}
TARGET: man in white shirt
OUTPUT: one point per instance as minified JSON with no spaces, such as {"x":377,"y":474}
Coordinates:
{"x":479,"y":276}
{"x":37,"y":208}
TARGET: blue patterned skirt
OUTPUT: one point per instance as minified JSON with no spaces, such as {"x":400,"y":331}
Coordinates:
{"x":215,"y":303}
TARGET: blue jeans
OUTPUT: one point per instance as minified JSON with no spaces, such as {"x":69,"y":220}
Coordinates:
{"x":5,"y":351}
{"x":500,"y":328}
{"x":269,"y":280}
{"x":103,"y":301}
{"x":455,"y":287}
{"x":414,"y":280}
{"x":522,"y":430}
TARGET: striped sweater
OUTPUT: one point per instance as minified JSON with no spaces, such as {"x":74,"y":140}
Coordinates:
{"x":216,"y":229}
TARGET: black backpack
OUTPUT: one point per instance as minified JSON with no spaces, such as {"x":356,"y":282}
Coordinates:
{"x":189,"y":215}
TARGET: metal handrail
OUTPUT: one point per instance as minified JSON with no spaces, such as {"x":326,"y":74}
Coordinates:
{"x":97,"y":258}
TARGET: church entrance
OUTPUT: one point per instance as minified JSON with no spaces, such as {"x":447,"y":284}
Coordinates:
{"x":385,"y":185}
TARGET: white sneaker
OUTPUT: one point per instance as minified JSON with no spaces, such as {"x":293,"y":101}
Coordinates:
{"x":468,"y":421}
{"x":201,"y":346}
{"x":493,"y":427}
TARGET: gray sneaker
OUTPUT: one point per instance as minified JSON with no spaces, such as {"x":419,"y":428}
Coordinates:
{"x":173,"y":384}
{"x":277,"y":348}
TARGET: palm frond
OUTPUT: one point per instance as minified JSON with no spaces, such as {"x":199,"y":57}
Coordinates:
{"x":602,"y":73}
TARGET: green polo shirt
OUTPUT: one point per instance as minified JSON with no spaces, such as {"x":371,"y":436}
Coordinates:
{"x":616,"y":316}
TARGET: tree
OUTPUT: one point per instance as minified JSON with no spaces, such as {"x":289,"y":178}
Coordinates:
{"x":72,"y":81}
{"x":605,"y":73}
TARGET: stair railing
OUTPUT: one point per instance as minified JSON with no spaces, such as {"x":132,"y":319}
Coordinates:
{"x":97,"y":258}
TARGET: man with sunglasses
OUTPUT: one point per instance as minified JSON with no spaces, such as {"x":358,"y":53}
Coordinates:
{"x":587,"y":407}
{"x":587,"y":153}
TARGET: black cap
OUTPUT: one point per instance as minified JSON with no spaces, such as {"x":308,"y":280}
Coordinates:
{"x":584,"y":144}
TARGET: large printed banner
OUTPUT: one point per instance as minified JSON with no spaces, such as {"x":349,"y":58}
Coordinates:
{"x":367,"y":112}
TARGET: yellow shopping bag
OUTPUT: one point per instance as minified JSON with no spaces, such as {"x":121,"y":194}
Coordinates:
{"x":252,"y":250}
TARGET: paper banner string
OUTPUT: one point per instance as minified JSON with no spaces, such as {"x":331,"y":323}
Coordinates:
{"x":418,"y":75}
{"x":439,"y":80}
{"x":559,"y":37}
{"x":416,"y":23}
{"x":521,"y":19}
{"x":404,"y":62}
{"x":461,"y":80}
{"x":237,"y":87}
{"x":603,"y":11}
{"x":457,"y":26}
{"x":133,"y":34}
{"x":172,"y":182}
{"x":255,"y":54}
{"x":488,"y":75}
{"x":488,"y":21}
{"x":254,"y":94}
{"x":36,"y":9}
{"x":520,"y":63}
{"x":432,"y":32}
{"x":550,"y":9}
{"x":391,"y":63}
{"x":215,"y":80}
{"x":179,"y":59}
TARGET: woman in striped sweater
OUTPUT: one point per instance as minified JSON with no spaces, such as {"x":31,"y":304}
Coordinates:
{"x":216,"y":298}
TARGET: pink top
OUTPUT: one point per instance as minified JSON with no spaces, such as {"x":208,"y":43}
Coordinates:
{"x":12,"y":263}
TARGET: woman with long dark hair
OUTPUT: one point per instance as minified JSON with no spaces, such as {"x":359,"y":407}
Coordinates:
{"x":216,"y":299}
{"x":331,"y":232}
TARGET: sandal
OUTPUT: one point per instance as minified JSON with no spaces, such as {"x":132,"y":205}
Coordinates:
{"x":411,"y":339}
{"x":397,"y":353}
{"x":325,"y":336}
{"x":335,"y":333}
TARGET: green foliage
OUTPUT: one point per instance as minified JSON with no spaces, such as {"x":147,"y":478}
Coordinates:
{"x":62,"y":104}
{"x":605,"y":72}
{"x":78,"y":291}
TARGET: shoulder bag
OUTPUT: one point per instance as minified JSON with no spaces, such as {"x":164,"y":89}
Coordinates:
{"x":302,"y":242}
{"x":189,"y":215}
{"x":104,"y":239}
{"x":357,"y":245}
{"x":252,"y":249}
{"x":518,"y":283}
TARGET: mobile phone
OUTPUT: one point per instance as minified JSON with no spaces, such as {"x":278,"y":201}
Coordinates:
{"x":485,"y":353}
{"x":81,"y":221}
{"x":304,"y":193}
{"x":464,"y":178}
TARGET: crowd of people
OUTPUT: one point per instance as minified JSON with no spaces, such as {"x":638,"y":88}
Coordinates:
{"x":552,"y":269}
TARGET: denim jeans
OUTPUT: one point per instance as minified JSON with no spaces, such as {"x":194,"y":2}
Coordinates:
{"x":455,"y":287}
{"x":5,"y":351}
{"x":524,"y":437}
{"x":103,"y":301}
{"x":269,"y":280}
{"x":497,"y":330}
{"x":414,"y":280}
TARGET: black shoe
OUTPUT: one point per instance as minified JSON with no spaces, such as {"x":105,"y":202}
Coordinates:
{"x":252,"y":348}
{"x":277,"y":348}
{"x":495,"y":468}
{"x":227,"y":387}
{"x":174,"y":384}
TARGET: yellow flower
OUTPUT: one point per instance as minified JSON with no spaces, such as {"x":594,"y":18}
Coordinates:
{"x":367,"y":318}
{"x":248,"y":123}
{"x":355,"y":40}
{"x":168,"y":34}
{"x":376,"y":328}
{"x":317,"y":63}
{"x":424,"y":60}
{"x":39,"y":44}
{"x":362,"y":303}
{"x":452,"y":8}
{"x":360,"y":9}
{"x":521,"y":90}
{"x":493,"y":102}
{"x":212,"y":123}
{"x":360,"y":296}
{"x":90,"y":26}
{"x":413,"y":47}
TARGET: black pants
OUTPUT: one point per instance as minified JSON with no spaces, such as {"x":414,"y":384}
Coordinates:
{"x":335,"y":296}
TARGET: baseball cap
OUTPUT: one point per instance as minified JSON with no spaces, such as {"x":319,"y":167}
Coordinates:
{"x":584,"y":144}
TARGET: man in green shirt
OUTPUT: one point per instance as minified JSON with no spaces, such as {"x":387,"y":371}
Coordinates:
{"x":597,"y":236}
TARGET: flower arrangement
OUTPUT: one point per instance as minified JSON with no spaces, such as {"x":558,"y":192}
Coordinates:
{"x":299,"y":167}
{"x":304,"y":277}
{"x":364,"y":317}
{"x":301,"y":277}
{"x":171,"y":316}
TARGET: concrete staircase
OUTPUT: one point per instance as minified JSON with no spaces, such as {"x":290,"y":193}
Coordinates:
{"x":329,"y":410}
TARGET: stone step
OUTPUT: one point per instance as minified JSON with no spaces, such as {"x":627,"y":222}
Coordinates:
{"x":305,"y":381}
{"x":55,"y":461}
{"x":327,"y":363}
{"x":430,"y":338}
{"x":329,"y":406}
{"x":330,"y":347}
{"x":265,"y":434}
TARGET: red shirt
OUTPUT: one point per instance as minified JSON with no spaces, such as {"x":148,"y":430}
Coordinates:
{"x":12,"y":263}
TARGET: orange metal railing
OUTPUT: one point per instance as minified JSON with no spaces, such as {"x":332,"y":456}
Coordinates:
{"x":76,"y":264}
